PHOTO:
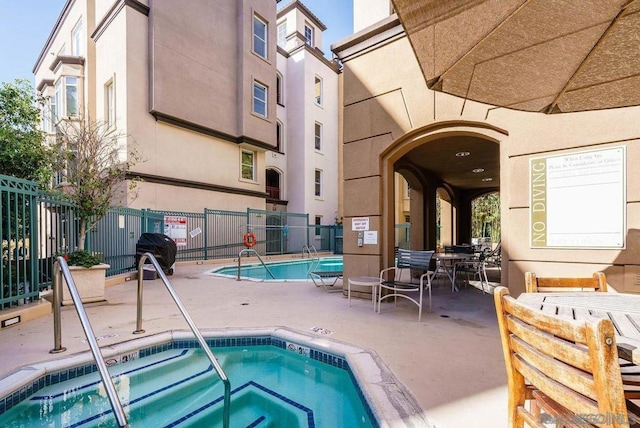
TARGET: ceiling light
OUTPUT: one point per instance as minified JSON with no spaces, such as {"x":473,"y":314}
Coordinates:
{"x":477,"y":170}
{"x":462,"y":154}
{"x":487,"y":179}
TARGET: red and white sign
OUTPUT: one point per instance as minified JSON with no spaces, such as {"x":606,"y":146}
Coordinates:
{"x":175,"y":227}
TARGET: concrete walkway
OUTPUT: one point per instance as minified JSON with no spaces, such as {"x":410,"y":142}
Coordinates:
{"x":451,"y":361}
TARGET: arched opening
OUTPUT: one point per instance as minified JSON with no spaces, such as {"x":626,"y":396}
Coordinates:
{"x":272,"y":184}
{"x":445,"y":170}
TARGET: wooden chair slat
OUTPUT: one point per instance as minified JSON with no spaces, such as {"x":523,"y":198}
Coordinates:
{"x":570,"y":366}
{"x":550,"y":345}
{"x":554,"y":369}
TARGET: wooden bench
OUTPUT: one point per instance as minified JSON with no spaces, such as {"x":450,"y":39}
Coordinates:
{"x":396,"y":287}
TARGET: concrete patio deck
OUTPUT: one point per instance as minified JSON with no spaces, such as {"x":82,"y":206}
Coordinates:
{"x":451,"y":361}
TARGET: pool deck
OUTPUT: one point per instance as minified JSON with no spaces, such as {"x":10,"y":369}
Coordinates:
{"x":451,"y":361}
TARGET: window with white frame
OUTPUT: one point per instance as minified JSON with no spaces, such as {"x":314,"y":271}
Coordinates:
{"x":247,"y":165}
{"x":318,"y":182}
{"x":76,"y":39}
{"x":259,"y":99}
{"x":110,"y":104}
{"x":49,"y":115}
{"x":259,"y":37}
{"x":71,"y":96}
{"x":67,"y":97}
{"x":308,"y":35}
{"x":279,"y":87}
{"x":318,"y":222}
{"x":318,"y":136}
{"x":317,"y":90}
{"x":282,"y":34}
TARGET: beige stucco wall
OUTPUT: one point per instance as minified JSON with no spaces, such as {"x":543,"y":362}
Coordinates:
{"x":386,"y":109}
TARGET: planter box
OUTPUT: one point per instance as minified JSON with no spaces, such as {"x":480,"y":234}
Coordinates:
{"x":89,"y":281}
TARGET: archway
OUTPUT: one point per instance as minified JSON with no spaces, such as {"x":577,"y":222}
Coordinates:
{"x":452,"y":162}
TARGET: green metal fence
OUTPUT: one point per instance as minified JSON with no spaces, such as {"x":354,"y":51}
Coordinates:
{"x":36,"y":226}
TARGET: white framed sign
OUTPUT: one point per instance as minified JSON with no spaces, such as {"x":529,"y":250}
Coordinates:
{"x":578,"y":200}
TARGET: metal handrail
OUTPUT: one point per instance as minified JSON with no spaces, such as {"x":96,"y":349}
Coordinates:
{"x":61,"y":268}
{"x":315,"y":260}
{"x":259,"y":258}
{"x":194,"y":329}
{"x":309,"y":248}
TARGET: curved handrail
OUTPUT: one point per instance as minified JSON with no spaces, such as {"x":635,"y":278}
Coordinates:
{"x":194,"y":329}
{"x":61,"y":268}
{"x":259,"y":258}
{"x":315,"y":260}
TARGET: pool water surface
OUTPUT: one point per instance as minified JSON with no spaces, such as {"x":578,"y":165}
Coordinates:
{"x":290,"y":270}
{"x":273,"y":385}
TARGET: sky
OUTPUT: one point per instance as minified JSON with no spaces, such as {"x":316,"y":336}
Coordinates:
{"x":25,"y":26}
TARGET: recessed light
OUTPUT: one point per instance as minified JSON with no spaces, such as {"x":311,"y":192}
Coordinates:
{"x":487,"y":179}
{"x":477,"y":170}
{"x":462,"y":154}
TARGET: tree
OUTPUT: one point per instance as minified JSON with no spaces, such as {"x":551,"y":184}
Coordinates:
{"x":22,"y":149}
{"x":485,"y":216}
{"x":93,"y":164}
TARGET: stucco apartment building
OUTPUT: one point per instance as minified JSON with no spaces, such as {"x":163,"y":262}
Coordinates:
{"x":460,"y":149}
{"x":200,"y":89}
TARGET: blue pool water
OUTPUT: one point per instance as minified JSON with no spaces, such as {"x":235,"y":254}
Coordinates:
{"x":274,"y":383}
{"x":283,"y":271}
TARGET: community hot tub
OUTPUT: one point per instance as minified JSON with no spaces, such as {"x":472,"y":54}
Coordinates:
{"x":279,"y":377}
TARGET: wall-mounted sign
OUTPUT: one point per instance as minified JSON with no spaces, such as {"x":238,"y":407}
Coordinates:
{"x":360,"y":223}
{"x":578,"y":200}
{"x":175,"y":227}
{"x":371,"y":237}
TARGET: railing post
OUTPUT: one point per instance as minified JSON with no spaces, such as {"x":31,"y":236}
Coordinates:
{"x":57,"y":298}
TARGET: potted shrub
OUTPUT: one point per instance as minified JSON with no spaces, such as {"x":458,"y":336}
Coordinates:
{"x":88,"y":272}
{"x":93,"y":164}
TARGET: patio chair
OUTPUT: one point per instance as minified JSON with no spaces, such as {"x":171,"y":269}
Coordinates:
{"x":326,"y":279}
{"x":563,"y":367}
{"x":391,"y":279}
{"x":534,"y":284}
{"x":596,"y":283}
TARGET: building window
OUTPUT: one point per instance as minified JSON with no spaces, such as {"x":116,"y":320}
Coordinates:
{"x":49,"y":116}
{"x":279,"y":98}
{"x":66,"y":102}
{"x":308,"y":35}
{"x":318,"y":223}
{"x":318,"y":136}
{"x":247,"y":165}
{"x":110,"y":104}
{"x":259,"y":99}
{"x":71,"y":96}
{"x":279,"y":136}
{"x":317,"y":89}
{"x":282,"y":34}
{"x":259,"y":37}
{"x":76,"y":39}
{"x":318,"y":183}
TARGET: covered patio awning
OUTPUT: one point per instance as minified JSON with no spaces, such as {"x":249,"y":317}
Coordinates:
{"x":548,"y":56}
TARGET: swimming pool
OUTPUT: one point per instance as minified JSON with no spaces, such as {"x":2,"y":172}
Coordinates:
{"x":289,"y":270}
{"x":279,"y":378}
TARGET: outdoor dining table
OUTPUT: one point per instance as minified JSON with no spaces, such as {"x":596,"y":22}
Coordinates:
{"x":445,"y":262}
{"x":622,"y":309}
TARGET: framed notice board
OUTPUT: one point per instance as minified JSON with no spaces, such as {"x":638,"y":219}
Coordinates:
{"x":578,"y":200}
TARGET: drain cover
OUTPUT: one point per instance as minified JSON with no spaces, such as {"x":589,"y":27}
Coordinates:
{"x":321,"y":330}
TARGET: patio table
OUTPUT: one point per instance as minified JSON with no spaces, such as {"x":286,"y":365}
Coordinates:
{"x":445,"y":262}
{"x":622,"y":309}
